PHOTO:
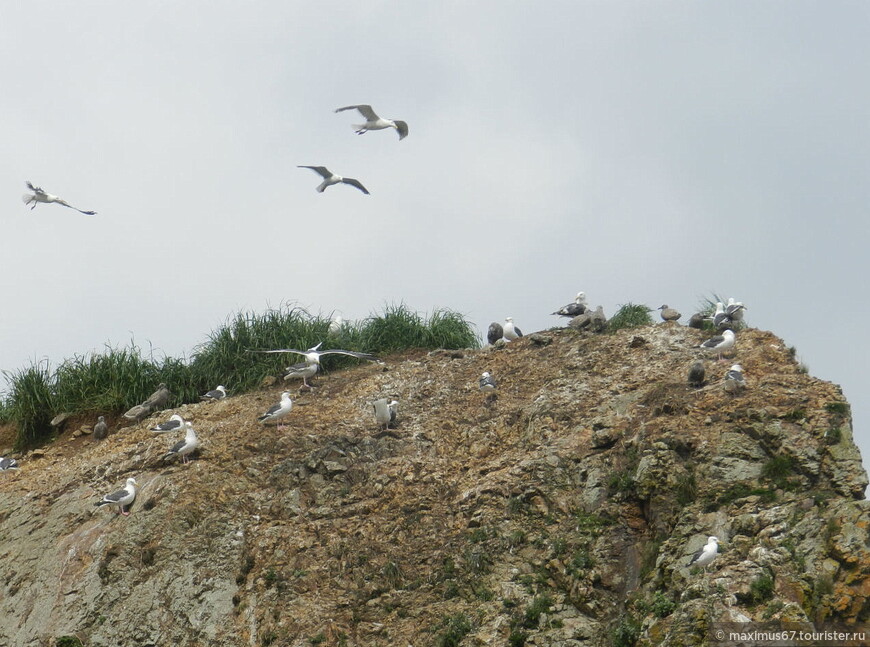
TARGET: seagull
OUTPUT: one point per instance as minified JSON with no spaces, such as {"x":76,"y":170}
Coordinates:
{"x":215,"y":394}
{"x":174,"y":423}
{"x":184,"y":447}
{"x":720,"y":343}
{"x":511,"y":332}
{"x":335,"y":326}
{"x":330,"y":178}
{"x":313,"y":354}
{"x":734,"y":310}
{"x":573,"y":309}
{"x":696,"y":374}
{"x":39,"y":195}
{"x":734,"y":381}
{"x":720,"y":318}
{"x":669,"y":314}
{"x":303,"y":370}
{"x":373,"y":122}
{"x":158,"y":399}
{"x":494,"y":333}
{"x":278,"y":411}
{"x":385,"y":412}
{"x":8,"y":464}
{"x":486,"y":382}
{"x":598,"y":320}
{"x":707,"y":554}
{"x":120,"y":499}
{"x":101,"y":429}
{"x":696,"y":321}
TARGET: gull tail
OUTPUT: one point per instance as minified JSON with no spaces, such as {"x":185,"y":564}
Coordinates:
{"x":27,"y":198}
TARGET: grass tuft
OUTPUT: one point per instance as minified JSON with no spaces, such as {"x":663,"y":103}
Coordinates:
{"x":630,"y":315}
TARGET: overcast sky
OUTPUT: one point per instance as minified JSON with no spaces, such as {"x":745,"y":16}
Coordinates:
{"x":645,"y":152}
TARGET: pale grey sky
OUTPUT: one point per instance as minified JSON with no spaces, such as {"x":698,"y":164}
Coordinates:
{"x":646,"y":152}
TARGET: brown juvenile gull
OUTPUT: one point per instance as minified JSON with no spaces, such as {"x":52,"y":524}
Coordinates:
{"x":669,"y":314}
{"x":696,"y":374}
{"x":494,"y":333}
{"x":101,"y":429}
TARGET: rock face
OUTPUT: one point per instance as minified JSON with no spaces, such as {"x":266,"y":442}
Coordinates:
{"x":564,"y":513}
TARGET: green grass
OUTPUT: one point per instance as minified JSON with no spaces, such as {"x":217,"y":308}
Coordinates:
{"x":630,"y":315}
{"x":119,"y":378}
{"x":453,"y":630}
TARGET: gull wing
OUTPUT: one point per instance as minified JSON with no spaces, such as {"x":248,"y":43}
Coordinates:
{"x":401,"y":128}
{"x":356,"y":183}
{"x":322,"y":170}
{"x":351,"y":353}
{"x":365,"y":110}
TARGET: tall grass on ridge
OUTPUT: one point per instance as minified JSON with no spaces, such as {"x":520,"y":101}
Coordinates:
{"x":30,"y":404}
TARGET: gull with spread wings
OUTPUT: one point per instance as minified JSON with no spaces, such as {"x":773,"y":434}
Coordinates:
{"x":330,"y":178}
{"x":40,"y":195}
{"x":373,"y":122}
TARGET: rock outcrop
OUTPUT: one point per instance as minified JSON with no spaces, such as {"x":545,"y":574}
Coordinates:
{"x":561,"y":512}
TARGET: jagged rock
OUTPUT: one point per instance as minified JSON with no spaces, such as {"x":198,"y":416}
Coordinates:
{"x":570,"y":505}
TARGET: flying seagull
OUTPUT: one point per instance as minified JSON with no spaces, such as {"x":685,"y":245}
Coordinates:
{"x":39,"y":195}
{"x":101,"y":429}
{"x":215,"y":394}
{"x":278,"y":411}
{"x":120,"y":499}
{"x":313,"y":354}
{"x":330,"y":178}
{"x":8,"y":464}
{"x":373,"y":122}
{"x":707,"y":554}
{"x":175,"y":423}
{"x":511,"y":332}
{"x":184,"y":447}
{"x":578,"y":307}
{"x":720,"y":343}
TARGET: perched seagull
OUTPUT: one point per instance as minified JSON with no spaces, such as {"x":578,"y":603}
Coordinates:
{"x":696,"y":374}
{"x":335,"y":326}
{"x":385,"y":412}
{"x":707,"y":554}
{"x":313,"y":354}
{"x":39,"y":195}
{"x":598,"y":320}
{"x":101,"y":429}
{"x":303,"y":370}
{"x":184,"y":447}
{"x":511,"y":332}
{"x":120,"y":499}
{"x":573,"y":309}
{"x":138,"y":412}
{"x":215,"y":394}
{"x":278,"y":411}
{"x":373,"y":122}
{"x":158,"y":399}
{"x":720,"y":343}
{"x":494,"y":333}
{"x":174,"y":423}
{"x":8,"y":464}
{"x":720,"y":318}
{"x":735,"y":309}
{"x":734,"y":381}
{"x":486,"y":383}
{"x":330,"y":178}
{"x":696,"y":321}
{"x":669,"y":314}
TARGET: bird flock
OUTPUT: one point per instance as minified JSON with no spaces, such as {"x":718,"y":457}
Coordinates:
{"x":373,"y":122}
{"x":724,"y":319}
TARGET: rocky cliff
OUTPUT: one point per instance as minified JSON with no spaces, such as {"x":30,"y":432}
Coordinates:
{"x":562,"y":512}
